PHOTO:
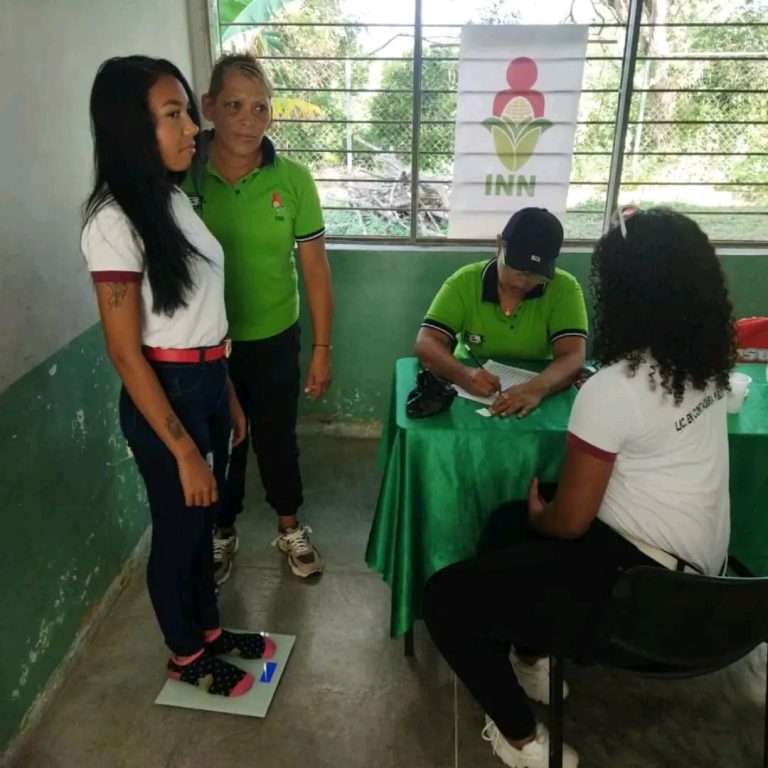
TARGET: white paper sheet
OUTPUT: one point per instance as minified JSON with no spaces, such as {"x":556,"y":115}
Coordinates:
{"x":508,"y":375}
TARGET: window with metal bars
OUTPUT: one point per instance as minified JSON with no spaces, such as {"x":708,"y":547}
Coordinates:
{"x":673,"y":111}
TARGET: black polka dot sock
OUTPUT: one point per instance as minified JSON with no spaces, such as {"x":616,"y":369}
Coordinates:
{"x":212,"y":675}
{"x":248,"y":645}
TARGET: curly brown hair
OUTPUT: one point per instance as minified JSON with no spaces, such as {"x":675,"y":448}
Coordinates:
{"x":661,"y":292}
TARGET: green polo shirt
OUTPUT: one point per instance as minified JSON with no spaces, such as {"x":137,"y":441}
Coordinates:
{"x":258,"y":221}
{"x":467,"y":309}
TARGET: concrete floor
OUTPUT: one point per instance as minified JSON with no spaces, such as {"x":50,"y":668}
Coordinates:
{"x":349,"y":699}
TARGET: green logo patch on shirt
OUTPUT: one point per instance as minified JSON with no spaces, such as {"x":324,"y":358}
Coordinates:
{"x":277,"y":207}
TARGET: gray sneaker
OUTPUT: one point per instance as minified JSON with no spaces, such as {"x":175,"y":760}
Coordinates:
{"x":224,"y":550}
{"x":303,"y":557}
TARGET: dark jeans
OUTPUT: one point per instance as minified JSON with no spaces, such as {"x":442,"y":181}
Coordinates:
{"x":530,"y":590}
{"x":180,"y":569}
{"x":267,"y":381}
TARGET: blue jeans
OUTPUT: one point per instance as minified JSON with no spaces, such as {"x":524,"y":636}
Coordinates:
{"x":180,"y":568}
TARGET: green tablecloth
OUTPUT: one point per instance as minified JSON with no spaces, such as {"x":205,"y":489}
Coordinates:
{"x":445,"y":474}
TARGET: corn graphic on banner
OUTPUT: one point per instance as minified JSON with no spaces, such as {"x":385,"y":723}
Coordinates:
{"x":519,"y":88}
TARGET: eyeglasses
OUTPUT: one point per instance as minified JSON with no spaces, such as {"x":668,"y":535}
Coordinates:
{"x":623,"y":213}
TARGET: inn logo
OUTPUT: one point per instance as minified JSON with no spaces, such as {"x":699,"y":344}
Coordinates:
{"x":518,"y":122}
{"x":516,"y":117}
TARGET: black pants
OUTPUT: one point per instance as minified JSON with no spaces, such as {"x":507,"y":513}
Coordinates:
{"x":533,"y":591}
{"x":180,"y":568}
{"x":267,"y":381}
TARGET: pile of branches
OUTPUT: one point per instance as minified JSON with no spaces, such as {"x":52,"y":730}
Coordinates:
{"x":384,"y":192}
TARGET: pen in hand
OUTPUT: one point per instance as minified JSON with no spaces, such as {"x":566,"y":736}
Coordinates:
{"x":472,"y":355}
{"x":480,"y":365}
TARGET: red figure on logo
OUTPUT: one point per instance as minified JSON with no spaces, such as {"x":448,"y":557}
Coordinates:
{"x":519,"y":101}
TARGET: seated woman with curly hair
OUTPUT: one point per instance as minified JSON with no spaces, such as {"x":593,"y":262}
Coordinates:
{"x":645,"y":482}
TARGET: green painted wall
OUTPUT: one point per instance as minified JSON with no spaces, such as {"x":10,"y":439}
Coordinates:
{"x":73,"y":510}
{"x":381,"y":297}
{"x":73,"y":506}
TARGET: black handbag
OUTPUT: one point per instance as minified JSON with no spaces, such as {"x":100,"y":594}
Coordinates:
{"x":430,"y":395}
{"x":586,"y":372}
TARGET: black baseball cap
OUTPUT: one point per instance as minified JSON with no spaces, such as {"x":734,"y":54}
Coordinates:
{"x":532,"y":240}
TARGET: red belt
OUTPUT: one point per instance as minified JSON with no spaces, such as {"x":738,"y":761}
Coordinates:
{"x":193,"y":355}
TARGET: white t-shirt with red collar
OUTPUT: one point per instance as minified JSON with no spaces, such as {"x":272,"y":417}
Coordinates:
{"x":114,"y":253}
{"x":669,"y":485}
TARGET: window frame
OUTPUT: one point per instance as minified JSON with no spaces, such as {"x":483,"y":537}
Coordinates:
{"x":622,"y":122}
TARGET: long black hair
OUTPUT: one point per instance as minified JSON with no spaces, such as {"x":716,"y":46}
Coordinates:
{"x":660,"y":290}
{"x":130,"y":171}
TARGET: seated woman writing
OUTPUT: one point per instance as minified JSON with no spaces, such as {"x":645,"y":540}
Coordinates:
{"x":515,"y":305}
{"x":645,"y":481}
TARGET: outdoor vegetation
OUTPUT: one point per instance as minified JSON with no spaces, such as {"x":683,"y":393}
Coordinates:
{"x":697,"y":137}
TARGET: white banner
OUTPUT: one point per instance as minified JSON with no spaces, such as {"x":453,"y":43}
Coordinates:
{"x":519,"y":88}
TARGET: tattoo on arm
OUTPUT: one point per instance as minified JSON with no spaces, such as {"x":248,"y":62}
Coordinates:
{"x":117,"y":293}
{"x":174,"y":427}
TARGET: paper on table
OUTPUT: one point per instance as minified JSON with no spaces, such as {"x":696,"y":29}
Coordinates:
{"x":508,"y":375}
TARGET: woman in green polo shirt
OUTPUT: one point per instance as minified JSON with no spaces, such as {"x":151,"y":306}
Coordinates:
{"x":516,"y":305}
{"x":260,"y":206}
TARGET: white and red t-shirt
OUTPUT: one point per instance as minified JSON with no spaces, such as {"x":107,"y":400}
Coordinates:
{"x":114,"y":253}
{"x":669,"y":485}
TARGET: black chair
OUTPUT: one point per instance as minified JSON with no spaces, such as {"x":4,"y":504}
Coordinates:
{"x":668,"y":624}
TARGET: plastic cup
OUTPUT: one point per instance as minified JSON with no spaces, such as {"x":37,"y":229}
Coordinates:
{"x":739,"y":390}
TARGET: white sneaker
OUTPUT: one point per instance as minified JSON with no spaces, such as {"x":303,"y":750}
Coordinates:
{"x":303,"y":556}
{"x":224,"y":549}
{"x":534,"y":678}
{"x":535,"y":754}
